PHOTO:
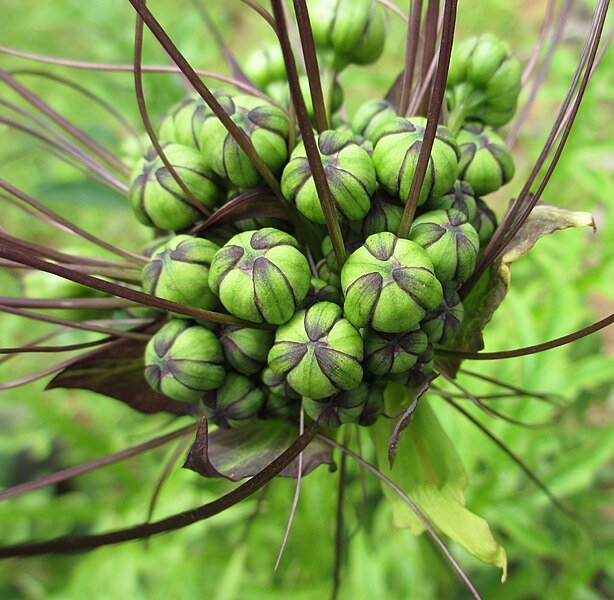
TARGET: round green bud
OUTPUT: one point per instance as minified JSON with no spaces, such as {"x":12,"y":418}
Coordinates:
{"x":264,"y":124}
{"x":417,"y":375}
{"x":327,"y":274}
{"x":442,"y":323}
{"x":278,"y":384}
{"x":373,"y":406}
{"x":343,"y":407}
{"x":349,"y":172}
{"x":183,"y":123}
{"x":384,"y":215}
{"x":261,"y":276}
{"x":486,"y":164}
{"x":387,"y":353}
{"x":183,"y":360}
{"x":279,"y":407}
{"x":245,"y":349}
{"x":348,"y":31}
{"x":389,"y":284}
{"x":266,"y":65}
{"x":484,"y":80}
{"x":158,"y":200}
{"x":321,"y":291}
{"x":370,"y":116}
{"x":351,"y":240}
{"x":179,"y":271}
{"x":395,"y":156}
{"x":237,"y":402}
{"x":318,"y":351}
{"x":485,"y":222}
{"x":450,"y":241}
{"x":461,"y":197}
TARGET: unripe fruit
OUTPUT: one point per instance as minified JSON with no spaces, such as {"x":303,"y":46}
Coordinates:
{"x":158,"y":200}
{"x":183,"y":360}
{"x":266,"y":65}
{"x":384,"y":215}
{"x":461,"y":197}
{"x":349,"y":172}
{"x":370,"y":116}
{"x":261,"y":276}
{"x":278,"y":384}
{"x":373,"y":406}
{"x":179,"y":271}
{"x":279,"y":407}
{"x":417,"y":375}
{"x":389,"y":284}
{"x":485,"y":222}
{"x":245,"y":349}
{"x":395,"y":156}
{"x":387,"y":353}
{"x":318,"y":351}
{"x":237,"y":402}
{"x":441,"y":323}
{"x":486,"y":164}
{"x":264,"y":124}
{"x":343,"y":407}
{"x":183,"y":123}
{"x":321,"y":291}
{"x":451,"y":243}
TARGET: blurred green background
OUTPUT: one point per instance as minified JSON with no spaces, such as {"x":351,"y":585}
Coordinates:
{"x":564,"y":284}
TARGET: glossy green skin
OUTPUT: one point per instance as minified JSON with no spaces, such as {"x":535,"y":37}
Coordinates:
{"x":318,"y":352}
{"x":237,"y":402}
{"x":158,"y":200}
{"x":264,"y":124}
{"x":245,"y":349}
{"x":261,"y":276}
{"x":389,"y":284}
{"x":349,"y":171}
{"x":451,"y":243}
{"x":370,"y":116}
{"x":484,"y":80}
{"x":183,"y":361}
{"x":348,"y":31}
{"x":461,"y":197}
{"x":342,"y":407}
{"x":183,"y":123}
{"x":395,"y":156}
{"x":486,"y":164}
{"x":179,"y":271}
{"x":387,"y":353}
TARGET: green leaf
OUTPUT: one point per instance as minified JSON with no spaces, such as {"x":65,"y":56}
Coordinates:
{"x":492,"y":287}
{"x":429,"y":470}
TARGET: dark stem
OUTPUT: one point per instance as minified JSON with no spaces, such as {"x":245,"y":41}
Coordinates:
{"x":411,"y":52}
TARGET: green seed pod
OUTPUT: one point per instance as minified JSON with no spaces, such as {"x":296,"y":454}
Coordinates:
{"x":450,"y":241}
{"x":183,"y":360}
{"x":416,"y":376}
{"x":278,"y":384}
{"x":349,"y":172}
{"x":338,"y":409}
{"x":395,"y":156}
{"x":389,"y":284}
{"x":373,"y":406}
{"x":183,"y":123}
{"x":237,"y":402}
{"x":156,"y":197}
{"x":264,"y":124}
{"x":318,"y":351}
{"x":486,"y":164}
{"x":484,"y":80}
{"x":245,"y":349}
{"x":351,"y":240}
{"x":266,"y":65}
{"x":370,"y":116}
{"x":461,"y":197}
{"x":261,"y":276}
{"x":179,"y":271}
{"x":348,"y":31}
{"x":333,"y":279}
{"x":387,"y":353}
{"x":443,"y":322}
{"x":485,"y":222}
{"x":321,"y":291}
{"x":384,"y":215}
{"x":279,"y":407}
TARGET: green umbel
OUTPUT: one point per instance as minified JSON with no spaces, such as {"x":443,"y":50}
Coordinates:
{"x":318,"y":352}
{"x":451,"y":243}
{"x":387,"y":353}
{"x":261,"y":276}
{"x":179,"y":271}
{"x":158,"y":200}
{"x":486,"y":164}
{"x":245,"y":349}
{"x":483,"y":81}
{"x":443,"y":322}
{"x":264,"y":124}
{"x":184,"y":360}
{"x":389,"y":284}
{"x":370,"y":116}
{"x":348,"y":31}
{"x":349,"y":171}
{"x":395,"y":156}
{"x":237,"y":402}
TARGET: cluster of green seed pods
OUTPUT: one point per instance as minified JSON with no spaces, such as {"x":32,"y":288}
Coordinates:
{"x":336,"y":333}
